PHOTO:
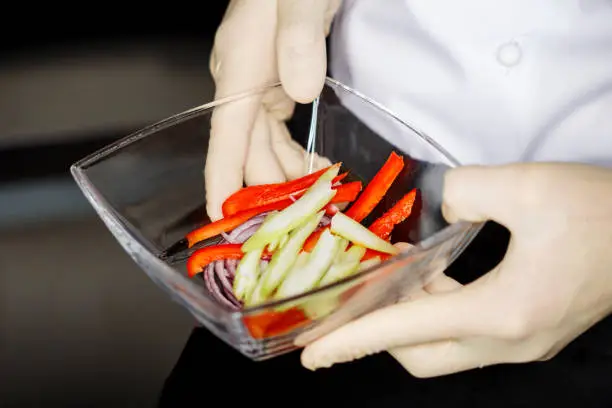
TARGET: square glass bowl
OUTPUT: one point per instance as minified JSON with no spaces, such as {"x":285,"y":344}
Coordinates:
{"x":148,"y":189}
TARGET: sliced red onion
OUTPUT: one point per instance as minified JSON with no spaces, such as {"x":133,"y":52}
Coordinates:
{"x":208,"y":277}
{"x":226,"y":285}
{"x":246,"y":234}
{"x":213,"y":287}
{"x":219,"y":275}
{"x":230,"y":267}
{"x":238,"y":230}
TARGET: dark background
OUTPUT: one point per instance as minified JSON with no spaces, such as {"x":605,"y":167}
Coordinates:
{"x":80,"y":324}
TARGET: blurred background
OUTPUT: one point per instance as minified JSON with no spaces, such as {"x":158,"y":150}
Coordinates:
{"x":80,"y":324}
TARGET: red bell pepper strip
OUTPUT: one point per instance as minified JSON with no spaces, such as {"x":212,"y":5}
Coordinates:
{"x":229,"y":223}
{"x":272,"y":323}
{"x":202,"y":257}
{"x":371,"y":196}
{"x":345,"y":193}
{"x":312,"y":240}
{"x":331,"y":210}
{"x":263,"y":194}
{"x":377,"y":188}
{"x":383,"y":226}
{"x":370,"y":253}
{"x":348,"y":192}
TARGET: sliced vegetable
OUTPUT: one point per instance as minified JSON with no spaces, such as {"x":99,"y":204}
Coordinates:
{"x":369,"y":254}
{"x":247,"y":274}
{"x":371,"y":196}
{"x":264,"y":194}
{"x":315,"y":199}
{"x":202,"y":257}
{"x":350,"y":229}
{"x":342,"y":246}
{"x":273,"y":323}
{"x":278,"y":242}
{"x":377,"y":188}
{"x":355,"y":253}
{"x":305,"y":278}
{"x":363,"y":265}
{"x":314,"y":238}
{"x":283,"y":260}
{"x":384,"y":225}
{"x":344,"y":192}
{"x":230,"y":223}
{"x":255,"y":297}
{"x":284,"y":240}
{"x":274,"y":244}
{"x":339,"y":271}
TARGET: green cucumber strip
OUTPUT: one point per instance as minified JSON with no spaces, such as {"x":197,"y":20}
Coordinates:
{"x":369,"y":263}
{"x":339,"y":271}
{"x":350,"y":229}
{"x":306,"y":278}
{"x":274,"y":244}
{"x":291,"y":217}
{"x":329,"y":175}
{"x":301,"y":260}
{"x":247,"y":274}
{"x":344,"y":243}
{"x":256,"y":296}
{"x":283,"y":259}
{"x":322,"y":305}
{"x":283,"y":240}
{"x":355,"y":253}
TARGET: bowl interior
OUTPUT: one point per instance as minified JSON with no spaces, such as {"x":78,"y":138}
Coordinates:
{"x":152,"y":185}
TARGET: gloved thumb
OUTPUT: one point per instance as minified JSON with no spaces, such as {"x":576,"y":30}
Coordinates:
{"x":481,"y":193}
{"x":301,"y":50}
{"x":428,"y":319}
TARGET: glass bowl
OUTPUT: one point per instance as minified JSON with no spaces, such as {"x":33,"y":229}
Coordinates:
{"x":148,"y":189}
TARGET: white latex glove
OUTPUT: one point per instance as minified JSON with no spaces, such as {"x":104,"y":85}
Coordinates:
{"x":553,"y":284}
{"x":260,"y":42}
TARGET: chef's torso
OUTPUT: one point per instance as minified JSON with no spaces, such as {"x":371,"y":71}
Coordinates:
{"x":490,"y":81}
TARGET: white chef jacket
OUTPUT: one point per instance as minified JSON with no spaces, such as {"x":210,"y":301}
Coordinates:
{"x":492,"y":81}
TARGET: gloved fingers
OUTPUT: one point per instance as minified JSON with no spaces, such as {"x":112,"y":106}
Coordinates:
{"x":442,"y":284}
{"x":246,"y":36}
{"x":439,"y":358}
{"x":315,"y":162}
{"x":481,"y":193}
{"x":245,"y":39}
{"x":330,"y":12}
{"x":262,"y":166}
{"x":293,"y":158}
{"x":455,"y":355}
{"x":301,"y":49}
{"x":290,"y":156}
{"x":231,"y":127}
{"x":278,"y":104}
{"x":429,"y":319}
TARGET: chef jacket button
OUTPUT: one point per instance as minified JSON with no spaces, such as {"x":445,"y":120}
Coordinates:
{"x":509,"y":54}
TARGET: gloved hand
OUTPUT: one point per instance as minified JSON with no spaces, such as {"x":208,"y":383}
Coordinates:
{"x":553,"y":284}
{"x":260,"y":42}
